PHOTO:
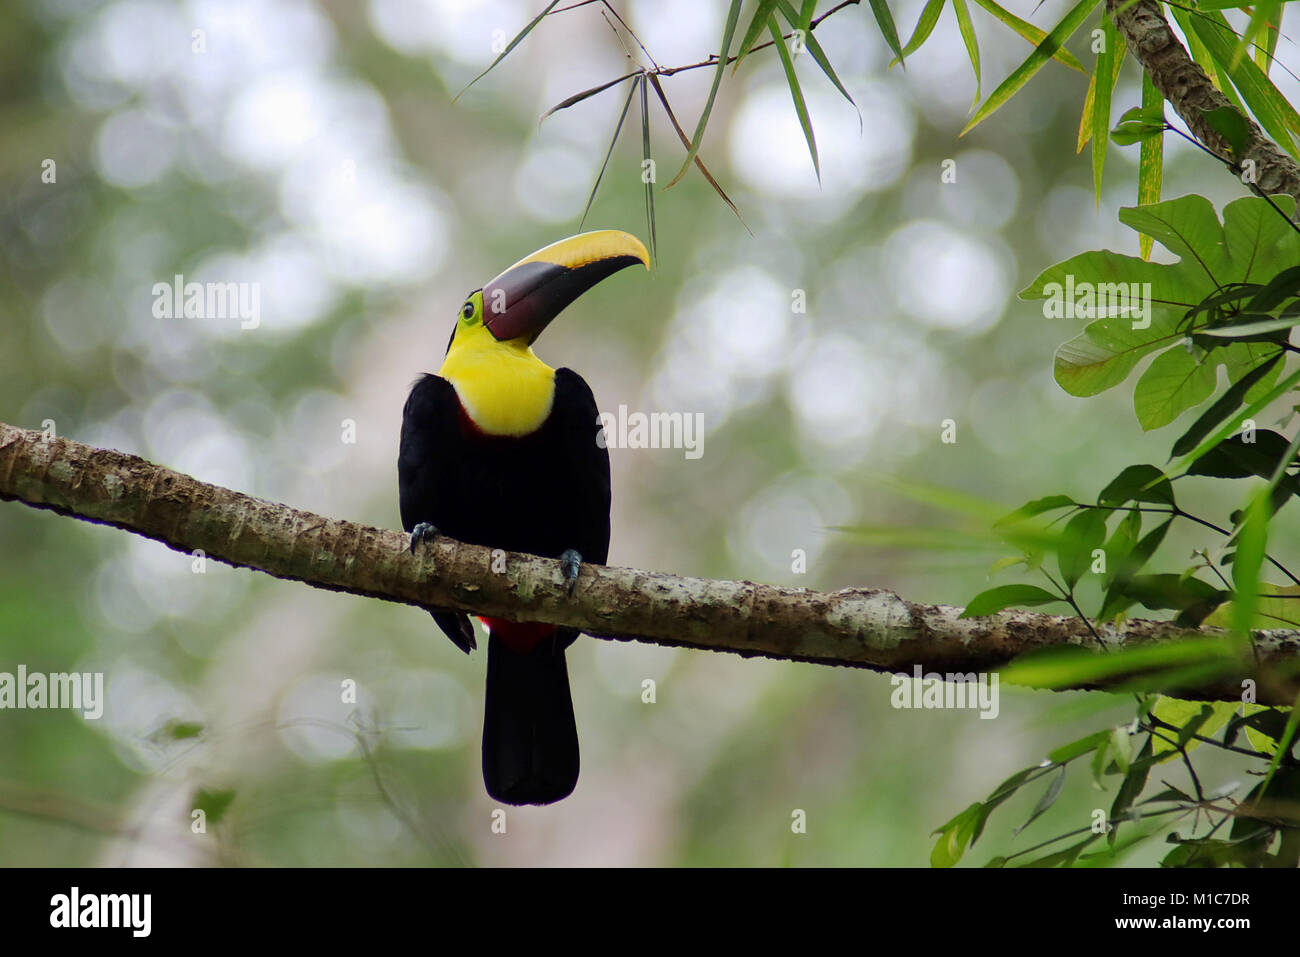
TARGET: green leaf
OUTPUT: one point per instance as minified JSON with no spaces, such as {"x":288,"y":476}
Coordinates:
{"x":1103,"y":85}
{"x":1107,"y":350}
{"x":1000,"y":794}
{"x":1190,"y":718}
{"x":1224,"y":431}
{"x":699,"y":163}
{"x":213,"y":803}
{"x":1235,"y":457}
{"x":1211,"y":257}
{"x":180,"y":730}
{"x":1054,"y":789}
{"x":510,"y":46}
{"x":1247,"y":561}
{"x":924,"y":27}
{"x":1083,"y":533}
{"x":1068,"y":666}
{"x":1036,"y":60}
{"x":1231,"y":125}
{"x":1224,"y":406}
{"x":1255,"y":234}
{"x":1075,"y":749}
{"x":728,"y":31}
{"x":1270,"y":107}
{"x":1121,"y":544}
{"x":1031,"y":33}
{"x":1130,"y":788}
{"x":1036,"y":507}
{"x":1129,"y":133}
{"x":954,"y":837}
{"x":1265,"y":55}
{"x":1138,"y":483}
{"x":1263,"y":14}
{"x":757,"y":24}
{"x":971,"y":41}
{"x":1251,"y":328}
{"x":805,"y":15}
{"x":1138,"y":122}
{"x":1279,"y":607}
{"x":819,"y":55}
{"x":1280,"y":288}
{"x":1065,"y":857}
{"x":796,"y":94}
{"x":1189,"y":228}
{"x":647,"y":163}
{"x":1151,"y":158}
{"x":1005,"y":596}
{"x":1119,"y":586}
{"x":1171,"y":385}
{"x":591,"y":198}
{"x":885,"y":20}
{"x":1121,"y":748}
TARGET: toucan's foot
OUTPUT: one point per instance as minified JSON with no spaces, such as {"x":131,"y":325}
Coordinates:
{"x":423,"y":532}
{"x":571,"y":559}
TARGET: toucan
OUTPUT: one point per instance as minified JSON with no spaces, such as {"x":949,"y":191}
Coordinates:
{"x":500,"y":449}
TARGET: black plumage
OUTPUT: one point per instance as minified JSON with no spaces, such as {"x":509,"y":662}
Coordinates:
{"x":542,"y":493}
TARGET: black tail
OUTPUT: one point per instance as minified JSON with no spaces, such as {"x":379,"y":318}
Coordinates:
{"x":530,"y":739}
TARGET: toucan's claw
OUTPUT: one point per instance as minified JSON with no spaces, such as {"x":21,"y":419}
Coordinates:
{"x":423,"y":532}
{"x":571,"y":560}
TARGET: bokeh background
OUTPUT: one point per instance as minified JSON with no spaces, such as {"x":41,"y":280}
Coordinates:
{"x":314,"y":148}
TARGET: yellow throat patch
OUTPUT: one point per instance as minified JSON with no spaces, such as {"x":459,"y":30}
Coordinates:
{"x":505,"y":389}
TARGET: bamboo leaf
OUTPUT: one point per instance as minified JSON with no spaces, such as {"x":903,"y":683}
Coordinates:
{"x":1089,"y":102}
{"x":885,"y":20}
{"x":1086,"y":118}
{"x":1264,"y":14}
{"x":1249,"y":558}
{"x":1034,"y":62}
{"x":1031,"y":33}
{"x":648,"y":168}
{"x":972,"y":43}
{"x":1270,"y":107}
{"x":1265,"y":55}
{"x":608,"y":153}
{"x":509,"y":46}
{"x":585,"y":94}
{"x":820,"y":58}
{"x":924,"y":27}
{"x":1108,"y":61}
{"x":805,"y":16}
{"x":728,"y":31}
{"x":699,"y":163}
{"x":756,"y":26}
{"x":1151,"y":160}
{"x":796,"y":93}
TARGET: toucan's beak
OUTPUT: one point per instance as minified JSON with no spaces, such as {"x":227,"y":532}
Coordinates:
{"x":521,"y":301}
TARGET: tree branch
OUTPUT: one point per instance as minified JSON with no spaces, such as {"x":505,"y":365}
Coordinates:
{"x":866,"y":628}
{"x":1185,"y":85}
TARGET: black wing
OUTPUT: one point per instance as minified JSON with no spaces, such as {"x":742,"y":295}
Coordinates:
{"x":586,"y":466}
{"x":429,"y":435}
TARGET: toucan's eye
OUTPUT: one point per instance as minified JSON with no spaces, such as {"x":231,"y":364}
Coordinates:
{"x":468,"y":310}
